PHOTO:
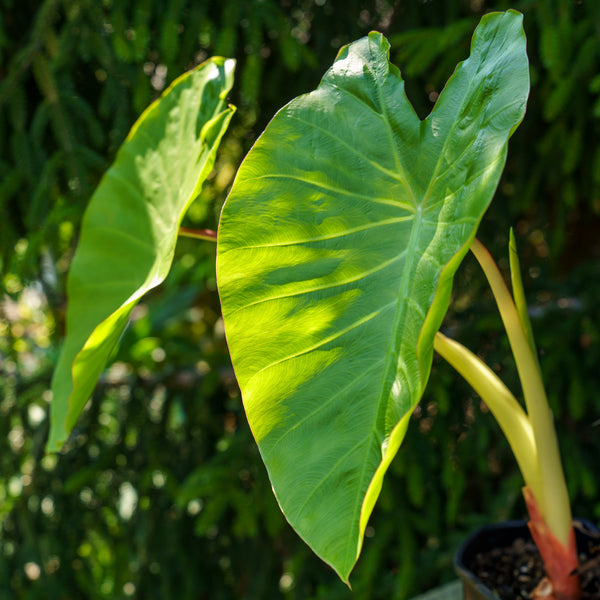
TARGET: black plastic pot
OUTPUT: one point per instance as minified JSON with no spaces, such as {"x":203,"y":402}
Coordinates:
{"x":502,"y":536}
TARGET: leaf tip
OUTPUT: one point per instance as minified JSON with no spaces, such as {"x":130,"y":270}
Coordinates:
{"x":56,"y":439}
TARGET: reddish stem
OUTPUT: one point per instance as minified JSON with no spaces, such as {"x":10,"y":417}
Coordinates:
{"x":199,"y":234}
{"x":560,"y":561}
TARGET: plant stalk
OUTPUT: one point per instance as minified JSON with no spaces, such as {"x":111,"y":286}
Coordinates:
{"x":553,"y":499}
{"x":198,"y":234}
{"x":550,"y":513}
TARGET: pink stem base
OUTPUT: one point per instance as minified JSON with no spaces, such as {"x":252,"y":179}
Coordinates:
{"x":560,"y":561}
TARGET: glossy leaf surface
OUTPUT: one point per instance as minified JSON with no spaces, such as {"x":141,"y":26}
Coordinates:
{"x":130,"y":227}
{"x":336,"y":251}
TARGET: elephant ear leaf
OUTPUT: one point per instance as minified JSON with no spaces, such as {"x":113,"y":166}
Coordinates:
{"x":130,"y":227}
{"x":336,"y":251}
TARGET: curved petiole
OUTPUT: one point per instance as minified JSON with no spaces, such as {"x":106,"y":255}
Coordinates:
{"x":504,"y":406}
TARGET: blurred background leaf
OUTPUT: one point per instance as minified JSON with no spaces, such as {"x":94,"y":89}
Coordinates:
{"x":161,"y":492}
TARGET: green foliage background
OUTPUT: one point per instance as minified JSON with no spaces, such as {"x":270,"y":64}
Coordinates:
{"x":160,"y":492}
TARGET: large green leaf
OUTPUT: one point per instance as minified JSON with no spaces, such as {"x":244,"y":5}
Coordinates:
{"x":336,"y":251}
{"x":130,"y":227}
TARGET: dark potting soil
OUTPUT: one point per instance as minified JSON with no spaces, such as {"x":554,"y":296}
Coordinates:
{"x":514,"y":572}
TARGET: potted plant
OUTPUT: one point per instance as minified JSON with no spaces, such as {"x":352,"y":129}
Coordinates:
{"x":336,"y":252}
{"x":502,"y":561}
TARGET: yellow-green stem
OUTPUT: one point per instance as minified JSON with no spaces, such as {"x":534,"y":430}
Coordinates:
{"x":553,"y":500}
{"x":506,"y":410}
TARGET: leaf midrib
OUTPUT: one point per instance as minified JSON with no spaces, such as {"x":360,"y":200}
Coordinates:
{"x":401,"y":308}
{"x":382,"y":396}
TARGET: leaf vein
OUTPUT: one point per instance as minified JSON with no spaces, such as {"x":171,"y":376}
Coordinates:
{"x":351,"y":148}
{"x":323,"y":406}
{"x":338,"y":190}
{"x":330,"y":236}
{"x":338,"y":334}
{"x":362,"y":275}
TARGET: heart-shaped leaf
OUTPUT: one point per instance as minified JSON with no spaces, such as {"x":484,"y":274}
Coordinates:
{"x":336,"y":252}
{"x":130,"y":227}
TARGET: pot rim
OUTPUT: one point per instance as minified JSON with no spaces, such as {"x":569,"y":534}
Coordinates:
{"x":491,"y":535}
